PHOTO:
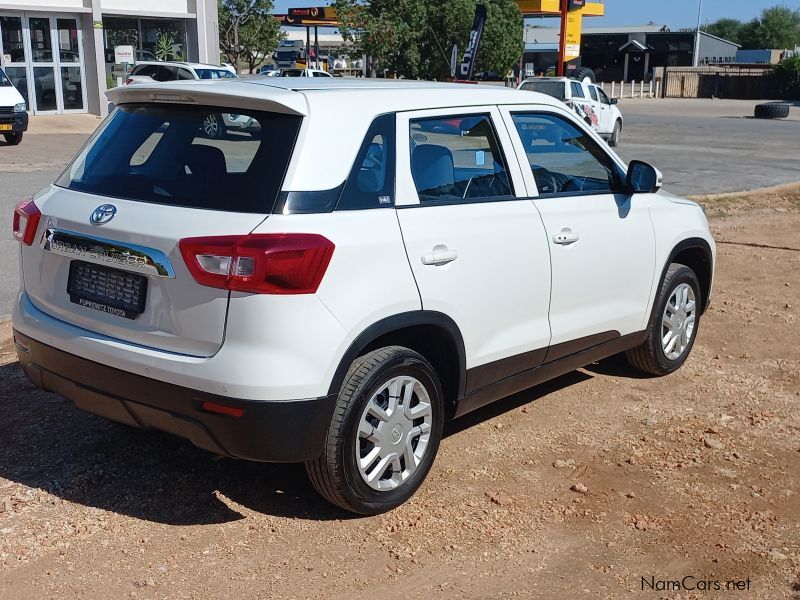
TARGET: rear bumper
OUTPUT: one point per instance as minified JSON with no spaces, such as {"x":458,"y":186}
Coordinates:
{"x":18,"y":122}
{"x":270,"y":431}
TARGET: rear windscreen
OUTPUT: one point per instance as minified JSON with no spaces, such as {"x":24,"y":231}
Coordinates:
{"x":551,"y":88}
{"x":192,"y":156}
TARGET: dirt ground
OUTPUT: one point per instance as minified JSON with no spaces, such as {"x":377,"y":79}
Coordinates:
{"x":695,"y":474}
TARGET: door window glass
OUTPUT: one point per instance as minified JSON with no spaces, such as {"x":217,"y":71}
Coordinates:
{"x":185,"y":74}
{"x":563,"y":158}
{"x":603,"y":98}
{"x":45,"y":86}
{"x":458,"y":158}
{"x":68,"y":50}
{"x":593,"y":92}
{"x":71,"y":88}
{"x":577,"y":90}
{"x":41,"y":42}
{"x":11,"y":30}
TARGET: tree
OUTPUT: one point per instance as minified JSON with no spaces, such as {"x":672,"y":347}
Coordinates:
{"x":778,"y":28}
{"x":248,"y":32}
{"x":727,"y":29}
{"x":787,"y":78}
{"x":414,"y":38}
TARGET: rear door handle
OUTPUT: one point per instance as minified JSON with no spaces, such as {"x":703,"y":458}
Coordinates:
{"x":565,"y":237}
{"x":440,"y":255}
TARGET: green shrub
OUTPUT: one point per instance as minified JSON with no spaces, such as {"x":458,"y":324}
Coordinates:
{"x":787,"y":78}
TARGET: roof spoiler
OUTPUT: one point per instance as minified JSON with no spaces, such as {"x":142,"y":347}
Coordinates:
{"x":212,"y":93}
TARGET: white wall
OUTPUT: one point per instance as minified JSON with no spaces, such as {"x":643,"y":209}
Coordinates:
{"x":147,"y":6}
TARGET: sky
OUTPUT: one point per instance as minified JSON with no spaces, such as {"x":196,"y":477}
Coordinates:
{"x":674,"y":13}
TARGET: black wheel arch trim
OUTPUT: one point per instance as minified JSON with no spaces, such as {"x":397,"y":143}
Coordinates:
{"x":399,"y":322}
{"x":687,"y":244}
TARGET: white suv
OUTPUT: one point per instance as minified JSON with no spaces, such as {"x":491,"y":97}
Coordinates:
{"x":586,"y":99}
{"x":335,"y":285}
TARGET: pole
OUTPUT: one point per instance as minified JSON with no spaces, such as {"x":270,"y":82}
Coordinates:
{"x":696,"y":55}
{"x":562,"y":45}
{"x":308,"y":46}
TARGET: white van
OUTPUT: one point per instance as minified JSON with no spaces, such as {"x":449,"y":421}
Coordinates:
{"x":13,"y":111}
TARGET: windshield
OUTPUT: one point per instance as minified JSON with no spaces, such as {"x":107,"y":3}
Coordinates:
{"x":287,"y":55}
{"x":214,"y":74}
{"x":551,"y":88}
{"x":185,"y":156}
{"x":4,"y":80}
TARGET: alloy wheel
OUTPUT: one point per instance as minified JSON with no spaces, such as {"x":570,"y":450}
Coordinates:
{"x":393,"y":433}
{"x":677,"y":322}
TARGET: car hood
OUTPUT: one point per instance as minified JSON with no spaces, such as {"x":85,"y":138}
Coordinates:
{"x":9,"y":96}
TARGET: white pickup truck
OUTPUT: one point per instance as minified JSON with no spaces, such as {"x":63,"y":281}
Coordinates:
{"x":585,"y":98}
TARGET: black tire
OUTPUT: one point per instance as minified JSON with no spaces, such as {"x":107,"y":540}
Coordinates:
{"x":13,"y":139}
{"x":650,"y":357}
{"x":613,"y":141}
{"x":772,"y":110}
{"x":335,"y":474}
{"x":583,"y":73}
{"x":213,"y":126}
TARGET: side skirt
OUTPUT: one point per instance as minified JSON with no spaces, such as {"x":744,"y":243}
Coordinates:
{"x":549,"y":370}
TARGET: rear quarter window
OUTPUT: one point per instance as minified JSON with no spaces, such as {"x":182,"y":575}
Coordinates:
{"x":165,"y":155}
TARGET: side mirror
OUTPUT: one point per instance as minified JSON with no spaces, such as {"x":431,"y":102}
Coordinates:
{"x":643,"y":178}
{"x":613,"y":100}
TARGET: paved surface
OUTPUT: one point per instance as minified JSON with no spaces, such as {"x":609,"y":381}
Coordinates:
{"x":711,"y":146}
{"x":702,"y":147}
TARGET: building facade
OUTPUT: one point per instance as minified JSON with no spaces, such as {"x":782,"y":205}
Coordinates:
{"x":629,"y":53}
{"x":60,"y":53}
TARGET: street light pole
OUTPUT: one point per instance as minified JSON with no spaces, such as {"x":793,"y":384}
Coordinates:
{"x":696,"y":54}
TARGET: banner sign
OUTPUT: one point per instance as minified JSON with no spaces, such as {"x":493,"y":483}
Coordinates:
{"x":574,"y":28}
{"x":470,"y":53}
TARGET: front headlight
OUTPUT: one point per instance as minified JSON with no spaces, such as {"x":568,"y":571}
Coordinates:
{"x":18,"y":108}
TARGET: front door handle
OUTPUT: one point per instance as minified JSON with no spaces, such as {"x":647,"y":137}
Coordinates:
{"x":565,"y":237}
{"x":440,"y":255}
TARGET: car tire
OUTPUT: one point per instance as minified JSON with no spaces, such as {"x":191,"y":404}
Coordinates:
{"x":659,"y":354}
{"x":213,"y":126}
{"x":583,"y":73}
{"x":397,"y":439}
{"x":772,"y":110}
{"x":13,"y":139}
{"x":613,"y":141}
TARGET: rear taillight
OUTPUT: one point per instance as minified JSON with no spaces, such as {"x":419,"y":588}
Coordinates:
{"x":128,"y":81}
{"x":285,"y":263}
{"x":26,"y":221}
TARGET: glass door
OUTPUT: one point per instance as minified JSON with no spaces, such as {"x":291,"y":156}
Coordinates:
{"x":69,"y":61}
{"x":12,"y":48}
{"x":43,"y":66}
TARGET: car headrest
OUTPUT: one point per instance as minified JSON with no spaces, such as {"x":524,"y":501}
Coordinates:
{"x":432,"y":167}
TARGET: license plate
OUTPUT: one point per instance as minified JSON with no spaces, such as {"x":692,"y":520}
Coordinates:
{"x":5,"y":127}
{"x":113,"y":291}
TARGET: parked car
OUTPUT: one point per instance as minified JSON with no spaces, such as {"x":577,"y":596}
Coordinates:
{"x":214,"y":125}
{"x":587,"y":99}
{"x":13,"y":111}
{"x":303,"y":73}
{"x":334,"y":290}
{"x":152,"y":71}
{"x":268,"y":69}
